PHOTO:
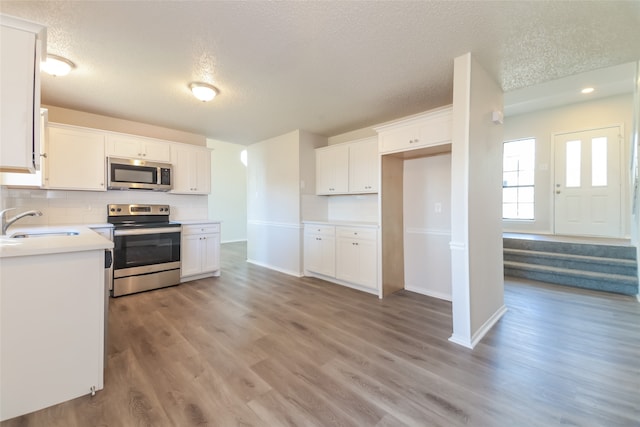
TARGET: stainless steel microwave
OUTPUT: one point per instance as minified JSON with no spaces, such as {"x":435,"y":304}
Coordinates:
{"x":134,"y":174}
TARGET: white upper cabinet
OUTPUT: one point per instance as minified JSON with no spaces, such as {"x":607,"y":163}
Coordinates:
{"x":74,"y":159}
{"x":332,"y":170}
{"x":135,"y":147}
{"x":348,"y":168}
{"x":428,"y":129}
{"x":364,"y":168}
{"x":191,"y":169}
{"x":22,"y":43}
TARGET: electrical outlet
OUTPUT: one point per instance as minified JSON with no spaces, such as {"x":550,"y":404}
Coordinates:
{"x":438,"y":207}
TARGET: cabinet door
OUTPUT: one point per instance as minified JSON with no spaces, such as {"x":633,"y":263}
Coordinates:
{"x":191,"y":170}
{"x":437,"y":129}
{"x":202,"y":172}
{"x":20,"y":101}
{"x":364,"y":167}
{"x":138,"y":148}
{"x":123,"y":146}
{"x":75,"y":159}
{"x":211,"y":253}
{"x":319,"y":254}
{"x":356,"y":262}
{"x":403,"y":138}
{"x":332,"y":170}
{"x":156,"y":151}
{"x":190,"y":255}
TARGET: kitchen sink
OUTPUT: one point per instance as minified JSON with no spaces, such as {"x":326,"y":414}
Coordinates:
{"x":22,"y":235}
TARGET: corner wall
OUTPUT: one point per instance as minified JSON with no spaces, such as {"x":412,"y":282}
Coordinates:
{"x":476,"y":195}
{"x":277,"y":167}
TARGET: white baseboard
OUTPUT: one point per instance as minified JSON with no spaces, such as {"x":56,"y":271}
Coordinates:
{"x":422,"y":291}
{"x":481,"y":332}
{"x":271,"y":267}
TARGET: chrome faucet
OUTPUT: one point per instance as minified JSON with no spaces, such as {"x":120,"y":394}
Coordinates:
{"x":7,"y":222}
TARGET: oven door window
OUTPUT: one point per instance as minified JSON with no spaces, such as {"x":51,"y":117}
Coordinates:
{"x":146,"y":249}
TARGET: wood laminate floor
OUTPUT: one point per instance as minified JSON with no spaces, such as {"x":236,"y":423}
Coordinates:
{"x":260,"y":348}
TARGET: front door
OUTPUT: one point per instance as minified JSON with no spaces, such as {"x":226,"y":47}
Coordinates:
{"x":587,"y":188}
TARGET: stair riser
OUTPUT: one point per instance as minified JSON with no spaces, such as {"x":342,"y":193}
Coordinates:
{"x":582,"y":265}
{"x":617,"y":252}
{"x":569,"y":280}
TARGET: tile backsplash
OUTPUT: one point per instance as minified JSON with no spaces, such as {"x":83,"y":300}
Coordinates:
{"x":90,"y":207}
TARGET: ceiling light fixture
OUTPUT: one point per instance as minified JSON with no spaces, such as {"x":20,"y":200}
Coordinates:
{"x":203,"y":91}
{"x":57,"y":65}
{"x":587,"y":90}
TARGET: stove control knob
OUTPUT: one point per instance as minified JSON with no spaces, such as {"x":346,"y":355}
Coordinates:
{"x":119,"y":209}
{"x":112,"y":209}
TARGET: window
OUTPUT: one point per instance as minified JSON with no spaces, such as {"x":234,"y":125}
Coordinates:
{"x":518,"y":168}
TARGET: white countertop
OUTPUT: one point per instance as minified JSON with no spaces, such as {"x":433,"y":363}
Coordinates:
{"x":343,"y":223}
{"x":197,"y":221}
{"x":85,"y":240}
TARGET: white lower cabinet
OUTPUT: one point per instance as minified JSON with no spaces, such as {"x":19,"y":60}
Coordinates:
{"x":356,"y":253}
{"x":344,"y":255}
{"x":51,"y":329}
{"x":319,"y":249}
{"x":200,"y":251}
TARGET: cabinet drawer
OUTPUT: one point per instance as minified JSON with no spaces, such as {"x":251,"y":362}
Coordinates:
{"x":356,"y":233}
{"x":324,"y":230}
{"x":200,"y":229}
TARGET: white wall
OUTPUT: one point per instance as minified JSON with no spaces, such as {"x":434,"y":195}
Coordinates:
{"x":427,"y":225}
{"x":228,"y":198}
{"x":277,"y":169}
{"x":476,"y":195}
{"x":541,"y":125}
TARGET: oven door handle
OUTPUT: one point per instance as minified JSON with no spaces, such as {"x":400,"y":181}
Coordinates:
{"x":161,"y":230}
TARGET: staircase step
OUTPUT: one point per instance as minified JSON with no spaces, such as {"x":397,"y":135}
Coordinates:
{"x":586,"y":249}
{"x":625,"y":267}
{"x":583,"y":279}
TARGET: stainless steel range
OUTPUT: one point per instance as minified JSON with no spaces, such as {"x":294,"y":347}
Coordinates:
{"x":146,"y":253}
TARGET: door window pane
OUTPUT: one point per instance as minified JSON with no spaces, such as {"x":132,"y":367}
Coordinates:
{"x":599,"y":161}
{"x":573,"y":153}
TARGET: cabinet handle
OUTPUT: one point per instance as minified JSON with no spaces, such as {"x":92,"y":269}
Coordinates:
{"x":354,"y":244}
{"x":43,"y":155}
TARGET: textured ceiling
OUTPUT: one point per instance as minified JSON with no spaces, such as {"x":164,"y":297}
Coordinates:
{"x":327,"y":67}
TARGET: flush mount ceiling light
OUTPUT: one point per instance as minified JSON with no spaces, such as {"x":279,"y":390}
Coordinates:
{"x":587,"y":90}
{"x":203,"y":91}
{"x":57,"y":65}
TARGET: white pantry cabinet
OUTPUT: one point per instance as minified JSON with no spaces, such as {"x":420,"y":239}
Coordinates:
{"x":356,"y":253}
{"x":135,"y":147}
{"x":74,"y":159}
{"x":191,"y":169}
{"x":364,"y":167}
{"x":200,"y":251}
{"x":332,"y":170}
{"x":427,"y":129}
{"x":319,"y":249}
{"x":22,"y":43}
